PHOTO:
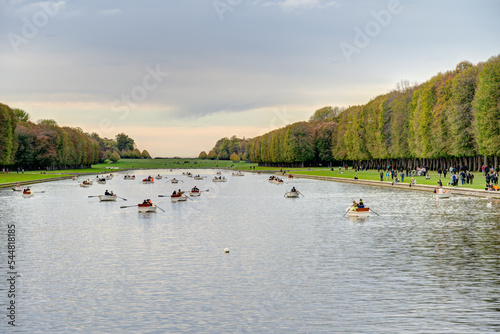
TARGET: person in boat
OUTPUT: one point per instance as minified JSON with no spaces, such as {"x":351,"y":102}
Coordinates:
{"x":145,"y":202}
{"x":174,"y":193}
{"x":150,"y":203}
{"x":354,"y":205}
{"x":294,"y":190}
{"x":361,"y":204}
{"x":195,"y":189}
{"x":179,"y":192}
{"x":107,"y":193}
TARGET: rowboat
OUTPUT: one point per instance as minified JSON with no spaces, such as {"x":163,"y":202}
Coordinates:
{"x":144,"y":208}
{"x":174,"y":180}
{"x":292,"y":194}
{"x":277,"y":181}
{"x":358,"y":212}
{"x":75,"y":178}
{"x":442,"y":193}
{"x":28,"y":192}
{"x":195,"y":192}
{"x":159,"y":177}
{"x":198,"y":177}
{"x":18,"y":188}
{"x":109,"y":177}
{"x":219,"y":179}
{"x":179,"y":198}
{"x":101,"y":181}
{"x":238,"y":174}
{"x":148,"y":180}
{"x":107,"y":198}
{"x":85,"y":184}
{"x":129,"y":177}
{"x":188,"y":174}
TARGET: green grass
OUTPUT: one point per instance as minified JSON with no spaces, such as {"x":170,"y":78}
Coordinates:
{"x":27,"y":176}
{"x":479,"y":179}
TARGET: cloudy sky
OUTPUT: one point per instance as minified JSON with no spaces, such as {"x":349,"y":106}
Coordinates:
{"x":178,"y":75}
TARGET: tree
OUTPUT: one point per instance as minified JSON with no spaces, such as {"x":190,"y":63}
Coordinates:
{"x":124,"y":142}
{"x":203,"y":155}
{"x":212,"y":155}
{"x":326,"y":113}
{"x":47,"y":122}
{"x":487,"y":105}
{"x":21,"y":115}
{"x":145,"y":154}
{"x":114,"y":157}
{"x":234,"y":157}
{"x":7,"y":135}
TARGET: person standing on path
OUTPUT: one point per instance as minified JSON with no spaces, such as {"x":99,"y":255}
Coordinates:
{"x":381,"y":176}
{"x":402,"y":176}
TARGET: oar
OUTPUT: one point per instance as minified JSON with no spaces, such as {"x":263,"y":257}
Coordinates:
{"x":128,"y":206}
{"x":374,"y":212}
{"x":163,"y":196}
{"x":92,"y":196}
{"x":301,"y":193}
{"x":160,"y":208}
{"x":347,"y":211}
{"x":122,"y":198}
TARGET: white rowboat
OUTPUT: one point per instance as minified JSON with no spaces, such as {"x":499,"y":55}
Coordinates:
{"x":292,"y":194}
{"x":18,"y":188}
{"x":442,"y":193}
{"x":239,"y":174}
{"x":359,"y":212}
{"x":181,"y":198}
{"x":144,"y":208}
{"x":28,"y":193}
{"x":194,"y":193}
{"x":216,"y":179}
{"x":107,"y":198}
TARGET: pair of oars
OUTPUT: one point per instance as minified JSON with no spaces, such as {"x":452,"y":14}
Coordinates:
{"x":111,"y":195}
{"x":134,"y":206}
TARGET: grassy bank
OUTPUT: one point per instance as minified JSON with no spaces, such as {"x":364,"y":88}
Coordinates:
{"x":27,"y":176}
{"x":479,"y":179}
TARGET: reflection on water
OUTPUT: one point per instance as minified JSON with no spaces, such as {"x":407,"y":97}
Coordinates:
{"x":296,"y":265}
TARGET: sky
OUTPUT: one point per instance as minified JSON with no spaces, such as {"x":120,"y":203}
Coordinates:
{"x":176,"y":76}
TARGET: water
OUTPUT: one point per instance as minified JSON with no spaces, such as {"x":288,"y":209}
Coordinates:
{"x":295,"y":265}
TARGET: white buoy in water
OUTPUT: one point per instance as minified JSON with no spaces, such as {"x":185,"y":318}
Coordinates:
{"x":226,"y":250}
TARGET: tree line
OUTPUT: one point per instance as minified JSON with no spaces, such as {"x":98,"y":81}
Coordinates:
{"x":45,"y":144}
{"x":452,"y":119}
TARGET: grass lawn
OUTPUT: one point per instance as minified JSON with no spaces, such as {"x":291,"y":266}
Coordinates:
{"x":27,"y":176}
{"x":479,"y":180}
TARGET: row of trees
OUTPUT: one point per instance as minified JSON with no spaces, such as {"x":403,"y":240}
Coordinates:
{"x":453,"y":118}
{"x":46,"y":145}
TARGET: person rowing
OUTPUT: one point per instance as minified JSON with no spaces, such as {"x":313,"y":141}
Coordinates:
{"x":294,"y":190}
{"x":361,"y":204}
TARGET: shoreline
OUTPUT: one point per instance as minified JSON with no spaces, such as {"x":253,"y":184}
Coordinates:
{"x":404,"y":186}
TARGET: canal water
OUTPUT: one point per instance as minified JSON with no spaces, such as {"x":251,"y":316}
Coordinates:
{"x":294,"y":265}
